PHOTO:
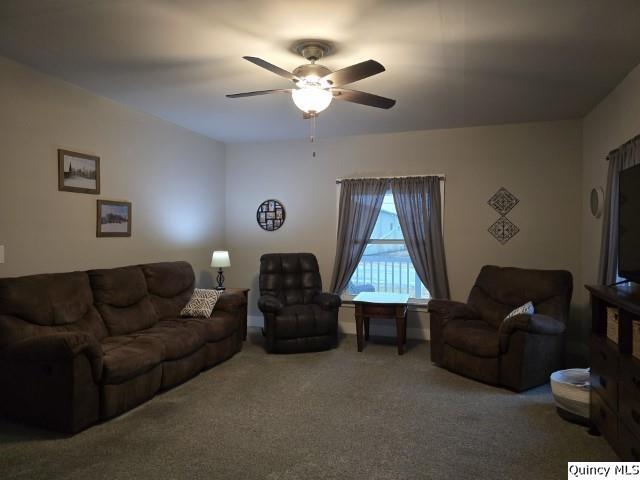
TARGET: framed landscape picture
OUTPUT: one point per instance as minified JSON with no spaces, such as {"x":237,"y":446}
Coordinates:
{"x":114,"y":219}
{"x":78,"y":172}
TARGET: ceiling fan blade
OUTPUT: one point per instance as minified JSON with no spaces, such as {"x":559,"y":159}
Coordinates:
{"x":259,"y":92}
{"x":363,"y":98}
{"x":272,"y":68}
{"x":354,"y":73}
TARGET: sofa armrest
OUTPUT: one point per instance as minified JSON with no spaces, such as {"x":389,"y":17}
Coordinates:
{"x":448,"y":309}
{"x":327,"y":301}
{"x":230,"y":301}
{"x":269,"y":304}
{"x":55,"y":347}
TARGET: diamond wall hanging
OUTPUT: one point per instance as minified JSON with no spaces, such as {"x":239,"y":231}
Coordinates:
{"x":503,"y":230}
{"x":503,"y":201}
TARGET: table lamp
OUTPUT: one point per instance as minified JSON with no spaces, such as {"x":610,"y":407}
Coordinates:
{"x":220,"y":258}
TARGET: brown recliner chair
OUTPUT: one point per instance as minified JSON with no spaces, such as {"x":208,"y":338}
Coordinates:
{"x":519,"y":353}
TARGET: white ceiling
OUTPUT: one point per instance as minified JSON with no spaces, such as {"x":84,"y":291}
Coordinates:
{"x":450,"y":63}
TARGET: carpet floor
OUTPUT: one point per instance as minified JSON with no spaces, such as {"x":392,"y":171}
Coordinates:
{"x":331,"y":415}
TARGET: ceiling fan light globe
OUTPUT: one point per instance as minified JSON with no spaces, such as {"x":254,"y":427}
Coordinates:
{"x":311,"y":99}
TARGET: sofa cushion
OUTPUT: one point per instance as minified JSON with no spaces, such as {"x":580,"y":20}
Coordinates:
{"x":49,"y":299}
{"x":129,"y":356}
{"x":177,"y":338}
{"x":122,"y":299}
{"x":170,"y":285}
{"x":219,"y":326}
{"x":472,"y":336}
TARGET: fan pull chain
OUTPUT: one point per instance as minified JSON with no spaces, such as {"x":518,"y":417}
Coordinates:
{"x":312,"y":134}
{"x":312,"y":128}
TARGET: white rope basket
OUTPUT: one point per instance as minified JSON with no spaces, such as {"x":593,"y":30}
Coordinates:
{"x":570,"y":390}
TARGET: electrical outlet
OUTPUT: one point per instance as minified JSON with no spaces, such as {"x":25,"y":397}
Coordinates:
{"x":1,"y":253}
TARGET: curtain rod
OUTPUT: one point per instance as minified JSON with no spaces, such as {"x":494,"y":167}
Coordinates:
{"x":441,"y":176}
{"x":623,"y":145}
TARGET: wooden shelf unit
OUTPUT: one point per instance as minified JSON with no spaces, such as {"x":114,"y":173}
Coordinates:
{"x":615,"y":372}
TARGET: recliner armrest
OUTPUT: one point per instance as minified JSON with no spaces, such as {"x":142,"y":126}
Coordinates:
{"x":328,"y":301}
{"x":269,"y":304}
{"x":532,"y":323}
{"x":449,"y":309}
{"x":529,"y":323}
{"x":55,"y":347}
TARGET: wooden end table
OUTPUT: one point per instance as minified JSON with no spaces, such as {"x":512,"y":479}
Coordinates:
{"x":244,"y":291}
{"x":381,"y":305}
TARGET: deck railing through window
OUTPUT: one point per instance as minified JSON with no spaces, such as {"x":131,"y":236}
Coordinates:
{"x":387,"y":273}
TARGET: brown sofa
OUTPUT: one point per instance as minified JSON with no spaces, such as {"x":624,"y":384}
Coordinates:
{"x":80,"y":347}
{"x":473,"y":338}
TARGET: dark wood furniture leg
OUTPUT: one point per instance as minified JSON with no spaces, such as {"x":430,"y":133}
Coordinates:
{"x":359,"y":322}
{"x":366,"y":328}
{"x":400,"y":323}
{"x":404,"y":332}
{"x":244,"y":324}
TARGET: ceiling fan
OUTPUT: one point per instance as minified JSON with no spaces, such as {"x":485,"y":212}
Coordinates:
{"x":316,"y":85}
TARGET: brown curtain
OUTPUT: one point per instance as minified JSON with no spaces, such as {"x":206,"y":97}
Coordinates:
{"x":418,"y":204}
{"x":627,"y":156}
{"x":360,"y":202}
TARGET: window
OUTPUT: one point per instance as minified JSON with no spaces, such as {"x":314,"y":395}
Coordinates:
{"x":385,"y":265}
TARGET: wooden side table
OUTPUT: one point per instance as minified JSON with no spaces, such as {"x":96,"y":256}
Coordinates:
{"x":244,"y":291}
{"x":381,"y":305}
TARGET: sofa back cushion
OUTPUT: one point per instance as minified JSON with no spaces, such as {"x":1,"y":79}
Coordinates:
{"x":48,"y":303}
{"x":498,"y":290}
{"x":170,"y":285}
{"x":122,"y":299}
{"x":294,"y":278}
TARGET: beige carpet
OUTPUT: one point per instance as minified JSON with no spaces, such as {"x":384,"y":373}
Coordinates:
{"x":332,"y":415}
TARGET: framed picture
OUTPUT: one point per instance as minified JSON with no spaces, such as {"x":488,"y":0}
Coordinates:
{"x":114,"y":219}
{"x":78,"y":172}
{"x":270,"y":215}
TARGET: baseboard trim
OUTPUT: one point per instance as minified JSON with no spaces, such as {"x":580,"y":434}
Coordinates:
{"x":255,"y":321}
{"x":349,"y":328}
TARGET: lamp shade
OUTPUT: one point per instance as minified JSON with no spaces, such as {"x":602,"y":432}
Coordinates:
{"x":220,"y":258}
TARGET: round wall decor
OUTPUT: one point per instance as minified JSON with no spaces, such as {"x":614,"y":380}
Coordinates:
{"x":270,"y":215}
{"x":596,"y":201}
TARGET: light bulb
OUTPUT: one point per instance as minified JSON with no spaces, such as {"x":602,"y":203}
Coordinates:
{"x":311,"y":99}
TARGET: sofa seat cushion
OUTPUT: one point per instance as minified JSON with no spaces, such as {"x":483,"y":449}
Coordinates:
{"x":311,"y":320}
{"x":219,"y":326}
{"x":128,"y":356}
{"x":472,"y":336}
{"x":179,"y":339}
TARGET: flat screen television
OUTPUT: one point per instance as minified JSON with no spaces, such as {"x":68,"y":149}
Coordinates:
{"x":629,"y":225}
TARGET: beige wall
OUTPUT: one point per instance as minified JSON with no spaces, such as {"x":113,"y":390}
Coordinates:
{"x":174,"y":178}
{"x":179,"y":183}
{"x":615,"y":120}
{"x":538,"y":162}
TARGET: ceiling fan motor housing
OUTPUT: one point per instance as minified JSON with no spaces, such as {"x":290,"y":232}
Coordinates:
{"x":312,"y":50}
{"x":311,"y":70}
